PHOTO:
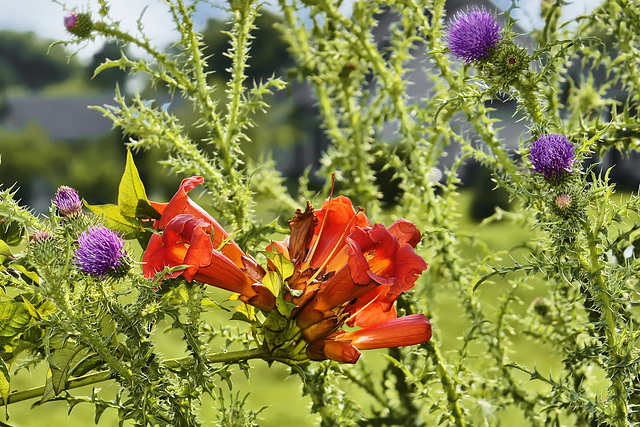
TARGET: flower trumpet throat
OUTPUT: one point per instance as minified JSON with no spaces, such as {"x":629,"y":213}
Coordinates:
{"x":343,"y":271}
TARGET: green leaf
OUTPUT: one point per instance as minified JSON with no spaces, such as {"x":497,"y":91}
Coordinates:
{"x":48,"y":392}
{"x":5,"y":388}
{"x":240,"y":316}
{"x":132,"y":204}
{"x":30,"y":274}
{"x":272,"y":281}
{"x":5,"y":251}
{"x":114,"y":220}
{"x":86,"y":364}
{"x":14,"y":318}
{"x":30,"y":308}
{"x":11,"y":232}
{"x":61,"y":363}
{"x":209,"y":303}
{"x":132,"y":197}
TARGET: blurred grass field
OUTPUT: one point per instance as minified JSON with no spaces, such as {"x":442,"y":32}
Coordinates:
{"x":272,"y":386}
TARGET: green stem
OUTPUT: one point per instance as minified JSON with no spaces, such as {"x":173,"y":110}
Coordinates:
{"x":57,"y":293}
{"x":109,"y":31}
{"x":98,"y":377}
{"x":453,"y":397}
{"x":201,"y":87}
{"x":527,"y":89}
{"x":618,"y":393}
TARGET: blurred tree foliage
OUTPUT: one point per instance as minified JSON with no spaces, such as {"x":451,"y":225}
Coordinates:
{"x":90,"y":166}
{"x":93,"y":166}
{"x":24,"y":62}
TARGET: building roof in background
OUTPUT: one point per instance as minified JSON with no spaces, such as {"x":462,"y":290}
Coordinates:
{"x":63,"y":118}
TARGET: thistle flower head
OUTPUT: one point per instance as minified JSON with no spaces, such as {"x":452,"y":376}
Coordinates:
{"x":68,"y":202}
{"x":78,"y":24}
{"x":42,"y":247}
{"x":70,"y":21}
{"x":473,"y":34}
{"x":99,"y":251}
{"x":552,"y":155}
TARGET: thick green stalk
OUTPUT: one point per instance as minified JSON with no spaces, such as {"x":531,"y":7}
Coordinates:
{"x":618,"y":392}
{"x":530,"y":101}
{"x":449,"y":386}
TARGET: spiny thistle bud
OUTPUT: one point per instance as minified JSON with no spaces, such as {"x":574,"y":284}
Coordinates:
{"x":79,"y":24}
{"x":68,"y":202}
{"x":552,"y":155}
{"x":506,"y":65}
{"x":563,"y":201}
{"x":42,"y":247}
{"x":473,"y":35}
{"x":39,"y":235}
{"x":100,"y":252}
{"x":569,"y":206}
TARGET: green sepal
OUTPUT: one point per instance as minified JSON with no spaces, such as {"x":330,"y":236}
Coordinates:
{"x":284,"y":307}
{"x":273,"y":282}
{"x":283,"y":266}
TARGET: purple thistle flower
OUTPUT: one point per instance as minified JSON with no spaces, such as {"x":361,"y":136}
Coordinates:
{"x":68,"y":202}
{"x":70,"y":21}
{"x":99,"y":251}
{"x":472,"y":34}
{"x":552,"y":154}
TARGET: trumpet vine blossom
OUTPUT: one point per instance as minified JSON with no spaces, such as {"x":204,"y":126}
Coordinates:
{"x":345,"y":271}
